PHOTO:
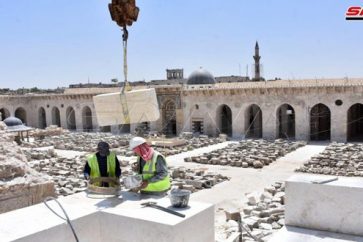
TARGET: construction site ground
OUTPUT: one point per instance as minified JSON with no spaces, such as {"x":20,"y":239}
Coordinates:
{"x":230,"y":195}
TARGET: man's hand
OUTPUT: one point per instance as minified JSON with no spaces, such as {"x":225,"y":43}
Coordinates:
{"x":135,"y":167}
{"x":144,"y":184}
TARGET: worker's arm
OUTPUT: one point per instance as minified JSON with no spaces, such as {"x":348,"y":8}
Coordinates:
{"x":118,"y":168}
{"x":161,"y":170}
{"x":86,"y":171}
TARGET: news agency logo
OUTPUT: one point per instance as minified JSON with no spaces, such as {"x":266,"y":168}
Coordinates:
{"x":354,"y":13}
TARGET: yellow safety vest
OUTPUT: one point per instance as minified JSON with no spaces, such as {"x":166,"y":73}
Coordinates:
{"x":149,"y":171}
{"x":95,"y":170}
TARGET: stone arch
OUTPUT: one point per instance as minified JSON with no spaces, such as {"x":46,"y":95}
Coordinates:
{"x":20,"y":113}
{"x":355,"y":123}
{"x":42,"y":119}
{"x":87,"y":119}
{"x":253,"y":122}
{"x":320,"y":122}
{"x":71,"y":118}
{"x":56,"y":119}
{"x":224,"y":119}
{"x":169,"y":118}
{"x":285,"y":121}
{"x":4,"y":113}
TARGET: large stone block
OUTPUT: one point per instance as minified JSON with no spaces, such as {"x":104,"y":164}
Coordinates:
{"x":142,"y":106}
{"x":110,"y":219}
{"x":23,"y":195}
{"x":335,"y":206}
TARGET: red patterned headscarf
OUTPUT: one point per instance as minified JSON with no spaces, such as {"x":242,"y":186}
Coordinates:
{"x":145,"y":151}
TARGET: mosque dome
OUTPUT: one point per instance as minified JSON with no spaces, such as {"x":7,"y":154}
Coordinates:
{"x":201,"y":77}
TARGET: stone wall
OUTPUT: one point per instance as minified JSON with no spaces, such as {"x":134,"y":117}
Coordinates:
{"x":204,"y":105}
{"x":20,"y":186}
{"x":52,"y":104}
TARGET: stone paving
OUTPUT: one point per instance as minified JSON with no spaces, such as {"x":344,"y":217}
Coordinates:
{"x":80,"y":141}
{"x":231,"y":195}
{"x":338,"y":159}
{"x":247,"y":153}
{"x":67,"y":172}
{"x":87,"y":142}
{"x":229,"y":184}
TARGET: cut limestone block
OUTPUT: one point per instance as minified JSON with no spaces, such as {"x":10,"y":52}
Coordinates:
{"x":142,"y":106}
{"x":109,"y":219}
{"x":334,"y":206}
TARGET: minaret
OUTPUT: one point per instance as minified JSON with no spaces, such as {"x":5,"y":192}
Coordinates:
{"x":257,"y":58}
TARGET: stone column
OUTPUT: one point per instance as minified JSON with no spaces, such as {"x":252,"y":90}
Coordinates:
{"x":132,"y":128}
{"x":238,"y":122}
{"x":95,"y":125}
{"x":338,"y":124}
{"x":210,"y":122}
{"x":63,"y":117}
{"x":48,"y":116}
{"x":268,"y":121}
{"x":153,"y":126}
{"x":302,"y":123}
{"x":187,"y":120}
{"x":179,"y":121}
{"x":79,"y":119}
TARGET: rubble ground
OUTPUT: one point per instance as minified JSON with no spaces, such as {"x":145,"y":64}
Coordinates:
{"x":87,"y":142}
{"x":248,"y":153}
{"x":338,"y":159}
{"x":231,"y":190}
{"x":231,"y":195}
{"x":66,"y":169}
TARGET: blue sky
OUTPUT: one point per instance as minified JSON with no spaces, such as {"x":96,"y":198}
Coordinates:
{"x":51,"y":43}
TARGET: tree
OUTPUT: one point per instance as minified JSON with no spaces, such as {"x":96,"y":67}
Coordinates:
{"x":34,"y":89}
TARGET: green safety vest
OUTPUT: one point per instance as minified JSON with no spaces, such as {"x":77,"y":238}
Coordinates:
{"x":149,"y":171}
{"x":95,"y":170}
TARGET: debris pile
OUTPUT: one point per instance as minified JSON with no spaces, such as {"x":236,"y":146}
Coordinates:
{"x":33,"y":154}
{"x":52,"y":130}
{"x":20,"y":186}
{"x":195,"y":179}
{"x":248,"y":153}
{"x":67,"y":173}
{"x":191,"y":144}
{"x":337,"y":159}
{"x":263,"y":214}
{"x":87,"y":142}
{"x":81,"y":141}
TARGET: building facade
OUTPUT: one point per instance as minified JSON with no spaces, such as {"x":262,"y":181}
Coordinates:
{"x":234,"y":105}
{"x":299,"y":109}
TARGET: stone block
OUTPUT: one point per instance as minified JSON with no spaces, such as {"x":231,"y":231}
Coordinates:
{"x":118,"y":220}
{"x":142,"y":106}
{"x":335,"y":206}
{"x":233,"y":215}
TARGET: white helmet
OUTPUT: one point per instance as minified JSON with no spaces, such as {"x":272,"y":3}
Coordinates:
{"x":136,"y":141}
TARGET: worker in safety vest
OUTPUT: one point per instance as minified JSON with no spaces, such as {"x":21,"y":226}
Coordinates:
{"x":103,"y":163}
{"x":152,"y":166}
